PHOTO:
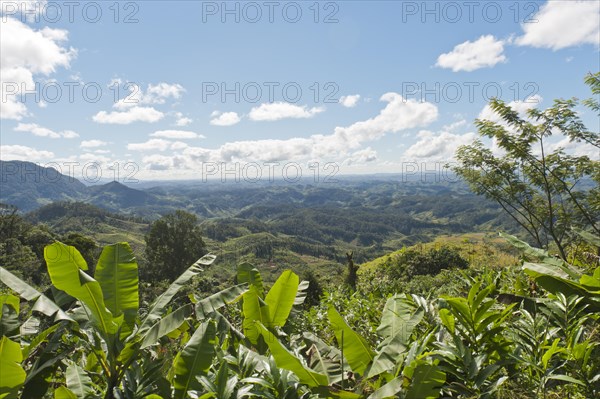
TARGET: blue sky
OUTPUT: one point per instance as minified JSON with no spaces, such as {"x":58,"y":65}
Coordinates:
{"x":365,"y":85}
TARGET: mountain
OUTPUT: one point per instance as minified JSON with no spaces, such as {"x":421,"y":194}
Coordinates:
{"x":116,"y":196}
{"x":29,"y":186}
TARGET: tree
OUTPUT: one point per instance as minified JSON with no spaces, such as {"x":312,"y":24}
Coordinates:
{"x":541,"y":188}
{"x":172,"y":244}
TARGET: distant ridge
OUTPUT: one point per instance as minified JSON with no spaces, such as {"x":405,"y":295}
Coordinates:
{"x":29,"y":186}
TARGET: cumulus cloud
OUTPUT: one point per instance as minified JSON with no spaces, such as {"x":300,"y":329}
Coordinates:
{"x":134,"y":107}
{"x":135,"y":114}
{"x":154,"y":94}
{"x":224,"y":118}
{"x":437,"y":146}
{"x":177,"y":134}
{"x":24,"y":53}
{"x":20,"y":152}
{"x":485,"y":52}
{"x":157,"y":145}
{"x":282,"y":110}
{"x":561,"y":24}
{"x":398,"y":114}
{"x":40,"y":131}
{"x":182,"y":120}
{"x":361,"y":157}
{"x":92,"y":143}
{"x":349,"y":101}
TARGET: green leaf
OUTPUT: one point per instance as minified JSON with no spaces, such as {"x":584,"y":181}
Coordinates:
{"x":389,"y":390}
{"x":12,"y":374}
{"x":42,"y":304}
{"x":281,"y":298}
{"x":427,"y":380}
{"x":65,"y":266}
{"x":79,"y":382}
{"x":9,"y":316}
{"x":247,"y":273}
{"x":166,"y":325}
{"x":447,"y":320}
{"x":354,"y":347}
{"x":286,"y":360}
{"x":64,"y":393}
{"x":566,"y":378}
{"x":220,"y":299}
{"x":158,"y":306}
{"x":397,"y":313}
{"x":117,"y":273}
{"x":254,"y":309}
{"x":194,"y":360}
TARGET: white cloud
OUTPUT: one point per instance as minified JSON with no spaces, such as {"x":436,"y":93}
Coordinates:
{"x":135,"y":114}
{"x":130,"y":109}
{"x":562,"y":24}
{"x":282,"y":110}
{"x":398,"y":114}
{"x":157,"y":145}
{"x":437,"y":147}
{"x":362,"y":156}
{"x":182,"y":120}
{"x":154,"y":94}
{"x":92,"y":143}
{"x":25,"y":52}
{"x":224,"y":119}
{"x":349,"y":101}
{"x":454,"y":125}
{"x":469,"y":56}
{"x":21,"y":152}
{"x":177,"y":134}
{"x":40,"y":131}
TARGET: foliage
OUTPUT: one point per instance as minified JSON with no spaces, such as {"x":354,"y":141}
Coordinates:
{"x":173,"y":242}
{"x":540,"y":188}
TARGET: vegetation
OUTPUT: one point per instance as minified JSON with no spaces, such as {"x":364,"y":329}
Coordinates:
{"x":173,"y":242}
{"x":470,"y":315}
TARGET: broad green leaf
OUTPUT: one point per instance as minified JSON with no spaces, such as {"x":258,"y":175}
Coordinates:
{"x":426,"y":382}
{"x":158,"y":306}
{"x":399,"y":316}
{"x":64,"y":393}
{"x":389,"y":356}
{"x":247,"y":273}
{"x":281,"y":298}
{"x":286,"y":360}
{"x":79,"y":382}
{"x":12,"y":374}
{"x":117,"y":273}
{"x":9,"y":316}
{"x":220,"y":299}
{"x":447,"y":320}
{"x":65,"y":266}
{"x":42,"y":304}
{"x":354,"y":347}
{"x":194,"y":360}
{"x":389,"y":390}
{"x":166,"y":325}
{"x":254,"y":309}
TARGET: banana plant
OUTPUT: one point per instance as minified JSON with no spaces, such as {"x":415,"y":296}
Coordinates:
{"x":105,"y":319}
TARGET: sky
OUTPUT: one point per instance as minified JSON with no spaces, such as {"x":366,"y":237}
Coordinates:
{"x":156,"y":90}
